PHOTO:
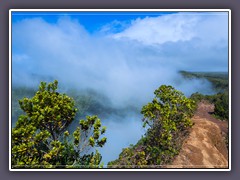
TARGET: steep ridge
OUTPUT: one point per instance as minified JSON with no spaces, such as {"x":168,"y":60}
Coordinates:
{"x":205,"y":147}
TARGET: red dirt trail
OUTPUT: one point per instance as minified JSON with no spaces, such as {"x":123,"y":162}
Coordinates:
{"x":205,"y":146}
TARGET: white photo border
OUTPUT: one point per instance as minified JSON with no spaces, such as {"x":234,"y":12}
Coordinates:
{"x":120,"y":10}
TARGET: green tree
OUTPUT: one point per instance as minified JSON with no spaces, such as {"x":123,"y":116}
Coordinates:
{"x":40,"y":138}
{"x":168,"y":118}
{"x":221,"y":103}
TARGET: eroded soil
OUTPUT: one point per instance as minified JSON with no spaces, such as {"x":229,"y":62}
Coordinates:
{"x":205,"y":147}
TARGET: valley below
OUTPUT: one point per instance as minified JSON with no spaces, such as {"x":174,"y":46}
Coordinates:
{"x":204,"y":147}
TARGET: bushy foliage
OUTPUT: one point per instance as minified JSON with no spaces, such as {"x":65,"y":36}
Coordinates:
{"x":220,"y":101}
{"x":49,"y":110}
{"x":197,"y":97}
{"x":40,"y":138}
{"x":168,"y":117}
{"x":130,"y":158}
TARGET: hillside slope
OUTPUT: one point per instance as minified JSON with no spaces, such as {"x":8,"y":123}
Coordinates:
{"x":205,"y":147}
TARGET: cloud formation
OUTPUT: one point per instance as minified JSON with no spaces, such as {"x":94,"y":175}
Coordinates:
{"x":178,"y":27}
{"x":125,"y":65}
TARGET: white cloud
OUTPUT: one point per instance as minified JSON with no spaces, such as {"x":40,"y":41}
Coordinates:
{"x":122,"y":69}
{"x":177,"y":27}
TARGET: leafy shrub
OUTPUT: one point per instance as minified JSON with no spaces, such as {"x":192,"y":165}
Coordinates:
{"x":220,"y":101}
{"x":40,"y":138}
{"x":168,"y":118}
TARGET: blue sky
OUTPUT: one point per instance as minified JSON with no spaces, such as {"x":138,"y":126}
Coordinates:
{"x":92,"y":21}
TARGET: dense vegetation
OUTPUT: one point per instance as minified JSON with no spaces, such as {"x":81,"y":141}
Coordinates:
{"x":219,"y":80}
{"x":40,"y":138}
{"x":220,"y":83}
{"x":168,"y":118}
{"x":220,"y":101}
